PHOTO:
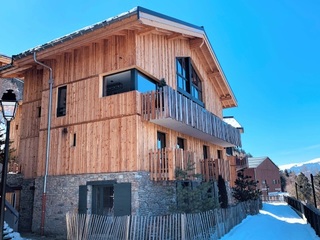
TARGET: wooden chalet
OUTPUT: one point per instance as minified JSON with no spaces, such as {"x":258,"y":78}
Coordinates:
{"x":134,"y":98}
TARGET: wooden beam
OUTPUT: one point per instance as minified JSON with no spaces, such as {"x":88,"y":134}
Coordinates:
{"x":196,"y":43}
{"x":225,"y":97}
{"x":79,"y":41}
{"x":214,"y":74}
{"x":146,"y":31}
{"x":14,"y":71}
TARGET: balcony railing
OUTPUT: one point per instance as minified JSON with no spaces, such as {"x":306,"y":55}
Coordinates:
{"x":212,"y":168}
{"x":168,"y":108}
{"x":164,"y":162}
{"x":238,"y":162}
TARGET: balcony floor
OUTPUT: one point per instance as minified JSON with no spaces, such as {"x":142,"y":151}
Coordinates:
{"x":189,"y":130}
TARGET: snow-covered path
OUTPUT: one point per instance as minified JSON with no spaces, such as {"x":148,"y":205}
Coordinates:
{"x":275,"y":221}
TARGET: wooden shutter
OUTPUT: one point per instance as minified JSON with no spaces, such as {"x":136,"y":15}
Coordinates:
{"x":82,"y":208}
{"x":122,"y":199}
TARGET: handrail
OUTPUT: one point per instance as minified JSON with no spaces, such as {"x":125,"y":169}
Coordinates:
{"x":169,"y":103}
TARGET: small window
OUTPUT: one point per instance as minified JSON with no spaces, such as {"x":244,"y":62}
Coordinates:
{"x":39,"y":112}
{"x":205,"y":152}
{"x":62,"y":101}
{"x":74,"y":142}
{"x":161,"y":140}
{"x":180,"y":143}
{"x":219,"y":153}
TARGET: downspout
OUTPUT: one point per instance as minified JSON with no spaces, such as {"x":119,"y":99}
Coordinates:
{"x":44,"y":193}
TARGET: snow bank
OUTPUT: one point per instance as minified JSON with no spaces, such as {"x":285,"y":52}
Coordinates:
{"x":275,"y":221}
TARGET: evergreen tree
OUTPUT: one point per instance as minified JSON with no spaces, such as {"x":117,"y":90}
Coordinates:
{"x":223,"y":195}
{"x":316,"y":182}
{"x":283,"y":180}
{"x":192,"y":196}
{"x":303,"y":187}
{"x":246,"y":188}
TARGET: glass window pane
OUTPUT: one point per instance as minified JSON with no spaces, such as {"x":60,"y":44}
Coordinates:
{"x":144,"y":84}
{"x":117,"y":83}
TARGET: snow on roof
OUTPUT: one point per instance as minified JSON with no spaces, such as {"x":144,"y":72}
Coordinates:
{"x":233,"y":122}
{"x":82,"y":31}
{"x":255,"y":161}
{"x":77,"y":33}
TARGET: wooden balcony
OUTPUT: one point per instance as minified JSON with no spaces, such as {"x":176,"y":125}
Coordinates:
{"x":236,"y":164}
{"x":212,"y":168}
{"x":168,"y":108}
{"x":164,"y":162}
{"x":239,"y":162}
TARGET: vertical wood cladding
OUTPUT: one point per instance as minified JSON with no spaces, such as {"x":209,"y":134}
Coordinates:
{"x":110,"y":134}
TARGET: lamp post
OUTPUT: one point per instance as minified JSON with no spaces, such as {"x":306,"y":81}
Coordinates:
{"x":9,"y":106}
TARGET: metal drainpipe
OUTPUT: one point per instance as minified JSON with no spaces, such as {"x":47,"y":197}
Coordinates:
{"x":44,"y":194}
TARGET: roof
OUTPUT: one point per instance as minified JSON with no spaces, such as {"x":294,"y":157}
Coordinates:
{"x":233,"y":122}
{"x":254,"y":162}
{"x":135,"y":11}
{"x":143,"y":21}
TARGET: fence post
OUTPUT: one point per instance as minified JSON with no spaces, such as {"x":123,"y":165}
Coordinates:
{"x":183,"y":226}
{"x":128,"y":227}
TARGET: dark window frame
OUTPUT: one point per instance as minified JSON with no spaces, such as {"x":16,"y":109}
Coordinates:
{"x":161,"y":138}
{"x":132,"y":83}
{"x":191,"y":80}
{"x":62,"y":101}
{"x":181,"y":143}
{"x":206,"y":152}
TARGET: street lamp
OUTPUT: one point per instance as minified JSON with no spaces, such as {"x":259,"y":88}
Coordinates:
{"x":9,"y":106}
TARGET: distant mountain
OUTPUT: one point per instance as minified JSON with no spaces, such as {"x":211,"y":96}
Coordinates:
{"x":307,"y":168}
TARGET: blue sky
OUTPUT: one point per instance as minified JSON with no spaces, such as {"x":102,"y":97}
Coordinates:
{"x":269,"y":51}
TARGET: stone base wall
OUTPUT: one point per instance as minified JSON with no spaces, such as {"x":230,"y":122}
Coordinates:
{"x":26,"y":201}
{"x":148,"y":197}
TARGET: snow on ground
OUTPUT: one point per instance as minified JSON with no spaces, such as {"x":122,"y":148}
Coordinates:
{"x":275,"y":221}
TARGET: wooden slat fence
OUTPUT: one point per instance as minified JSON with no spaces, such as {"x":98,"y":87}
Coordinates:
{"x":207,"y":225}
{"x":212,"y":168}
{"x":168,"y":103}
{"x":163,"y":163}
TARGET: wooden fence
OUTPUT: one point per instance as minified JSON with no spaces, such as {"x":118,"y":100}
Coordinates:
{"x":164,"y":162}
{"x":207,"y":225}
{"x":310,"y":213}
{"x":212,"y":168}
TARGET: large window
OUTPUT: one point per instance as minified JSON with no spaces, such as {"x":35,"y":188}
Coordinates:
{"x":62,"y":101}
{"x":188,"y":81}
{"x":127,"y":81}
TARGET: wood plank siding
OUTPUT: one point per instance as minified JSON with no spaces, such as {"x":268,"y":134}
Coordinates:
{"x":114,"y":133}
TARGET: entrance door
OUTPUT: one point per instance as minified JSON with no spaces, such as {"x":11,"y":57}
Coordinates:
{"x":102,"y":199}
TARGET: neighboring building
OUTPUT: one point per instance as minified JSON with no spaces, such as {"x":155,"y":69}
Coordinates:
{"x":4,"y":60}
{"x":263,"y":170}
{"x":134,"y":97}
